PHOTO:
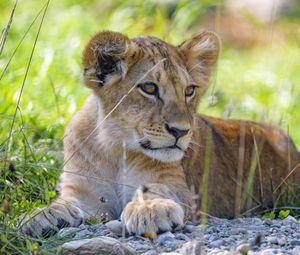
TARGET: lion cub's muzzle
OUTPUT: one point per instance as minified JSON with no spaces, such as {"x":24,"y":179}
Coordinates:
{"x":176,"y":132}
{"x":177,"y":138}
{"x":167,"y":143}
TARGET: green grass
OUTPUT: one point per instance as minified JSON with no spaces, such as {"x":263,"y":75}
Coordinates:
{"x":258,"y":83}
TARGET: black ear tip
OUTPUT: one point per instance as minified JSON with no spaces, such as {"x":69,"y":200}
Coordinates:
{"x":108,"y":42}
{"x":103,"y":58}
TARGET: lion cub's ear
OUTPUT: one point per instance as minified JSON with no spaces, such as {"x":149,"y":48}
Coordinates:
{"x":107,"y":58}
{"x":201,"y":52}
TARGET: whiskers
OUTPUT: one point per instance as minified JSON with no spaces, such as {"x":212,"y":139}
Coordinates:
{"x":191,"y":147}
{"x":197,"y":144}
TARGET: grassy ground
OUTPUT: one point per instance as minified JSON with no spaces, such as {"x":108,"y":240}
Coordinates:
{"x":258,"y":83}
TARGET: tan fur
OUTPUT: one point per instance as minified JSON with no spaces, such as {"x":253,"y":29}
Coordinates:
{"x":117,"y":160}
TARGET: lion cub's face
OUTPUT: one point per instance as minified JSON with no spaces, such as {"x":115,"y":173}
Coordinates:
{"x":150,"y":89}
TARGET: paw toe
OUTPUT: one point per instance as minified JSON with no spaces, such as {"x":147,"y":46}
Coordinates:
{"x":155,"y":216}
{"x":62,"y":223}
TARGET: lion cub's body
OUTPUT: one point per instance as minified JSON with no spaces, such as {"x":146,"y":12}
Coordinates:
{"x":251,"y":166}
{"x":117,"y":181}
{"x":139,"y":151}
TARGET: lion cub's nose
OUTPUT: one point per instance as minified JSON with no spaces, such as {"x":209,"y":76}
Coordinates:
{"x":176,"y":132}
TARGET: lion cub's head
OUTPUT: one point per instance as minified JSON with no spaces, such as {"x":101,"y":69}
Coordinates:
{"x":149,"y":88}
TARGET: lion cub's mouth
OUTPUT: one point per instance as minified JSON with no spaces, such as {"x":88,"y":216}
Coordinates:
{"x":165,"y":153}
{"x":147,"y":146}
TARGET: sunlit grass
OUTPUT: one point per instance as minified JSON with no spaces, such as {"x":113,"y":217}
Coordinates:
{"x":259,"y":83}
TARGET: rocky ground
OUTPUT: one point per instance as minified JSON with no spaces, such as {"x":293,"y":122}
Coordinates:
{"x":250,"y":236}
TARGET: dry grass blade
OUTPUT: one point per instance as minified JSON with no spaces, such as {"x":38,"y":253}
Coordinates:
{"x":238,"y":191}
{"x":23,"y":83}
{"x":247,"y":195}
{"x":250,"y":210}
{"x":21,"y":41}
{"x":257,"y":153}
{"x":205,"y":178}
{"x":55,"y":95}
{"x":2,"y":34}
{"x":284,"y":180}
{"x":3,"y":39}
{"x":24,"y":136}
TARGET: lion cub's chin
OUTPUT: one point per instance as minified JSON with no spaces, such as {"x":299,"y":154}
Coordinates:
{"x":165,"y":155}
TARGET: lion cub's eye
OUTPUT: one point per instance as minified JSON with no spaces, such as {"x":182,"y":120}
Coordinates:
{"x":190,"y":91}
{"x":149,"y":88}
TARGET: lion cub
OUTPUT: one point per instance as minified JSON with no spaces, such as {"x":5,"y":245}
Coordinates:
{"x":137,"y":147}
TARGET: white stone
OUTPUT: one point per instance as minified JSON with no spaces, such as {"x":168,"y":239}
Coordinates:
{"x":98,"y":245}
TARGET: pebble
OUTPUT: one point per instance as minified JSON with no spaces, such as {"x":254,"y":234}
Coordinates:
{"x":282,"y":241}
{"x":165,"y":237}
{"x":243,"y":248}
{"x":289,"y":219}
{"x":181,"y":236}
{"x":276,"y":225}
{"x":191,"y":247}
{"x":189,"y":228}
{"x":251,"y":236}
{"x":272,"y":240}
{"x":296,"y":251}
{"x":67,"y":232}
{"x":296,"y":235}
{"x":295,"y":243}
{"x":151,"y":252}
{"x":268,"y":222}
{"x":97,"y":245}
{"x":116,"y":227}
{"x":217,"y":243}
{"x":235,"y":231}
{"x":167,"y":240}
{"x":83,"y":234}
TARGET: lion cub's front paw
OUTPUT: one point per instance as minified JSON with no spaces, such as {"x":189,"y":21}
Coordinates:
{"x":153,"y":215}
{"x":47,"y":221}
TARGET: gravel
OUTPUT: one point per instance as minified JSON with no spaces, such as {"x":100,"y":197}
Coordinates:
{"x":251,"y":236}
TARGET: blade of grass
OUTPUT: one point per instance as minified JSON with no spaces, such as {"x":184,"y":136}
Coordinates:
{"x":255,"y":162}
{"x":55,"y":96}
{"x":238,"y":191}
{"x":22,"y":88}
{"x":283,"y":181}
{"x":20,"y":42}
{"x":3,"y":39}
{"x":205,"y":178}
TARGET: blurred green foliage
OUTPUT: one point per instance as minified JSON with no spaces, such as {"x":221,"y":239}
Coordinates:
{"x":257,"y":83}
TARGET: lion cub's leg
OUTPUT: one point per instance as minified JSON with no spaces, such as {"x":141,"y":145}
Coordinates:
{"x":61,"y":213}
{"x":154,"y":208}
{"x":71,"y":208}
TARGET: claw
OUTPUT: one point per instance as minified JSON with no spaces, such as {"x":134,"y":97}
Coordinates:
{"x":48,"y":231}
{"x":61,"y":223}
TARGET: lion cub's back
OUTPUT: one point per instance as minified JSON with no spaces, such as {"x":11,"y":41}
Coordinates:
{"x":239,"y":164}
